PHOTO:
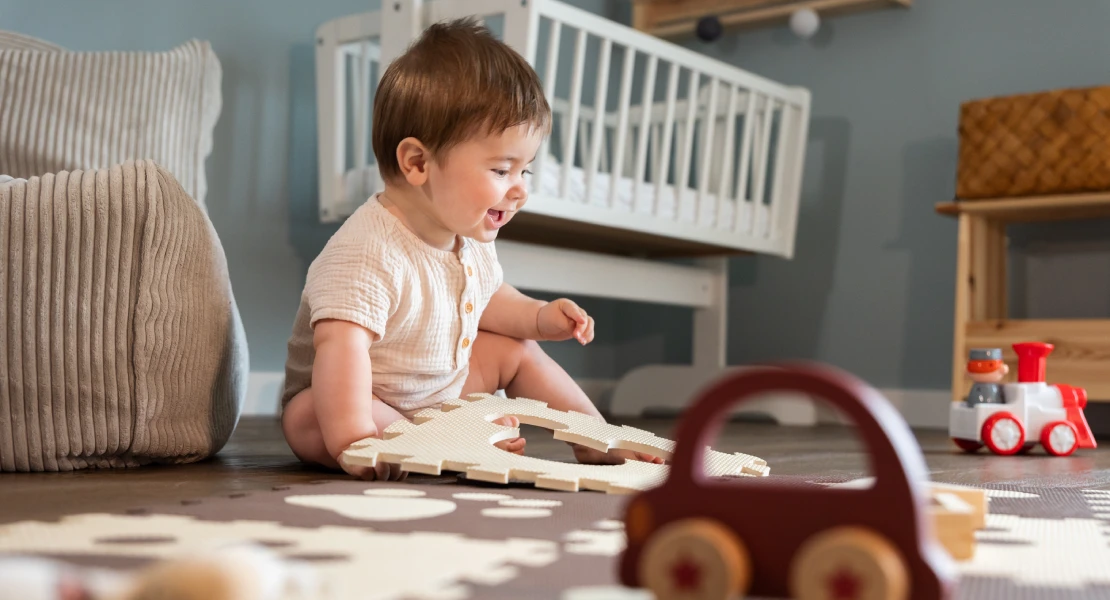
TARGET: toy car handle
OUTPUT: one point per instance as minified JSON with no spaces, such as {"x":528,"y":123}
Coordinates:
{"x":896,"y":459}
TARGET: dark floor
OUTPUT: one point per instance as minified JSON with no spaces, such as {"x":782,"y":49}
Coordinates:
{"x":257,"y":458}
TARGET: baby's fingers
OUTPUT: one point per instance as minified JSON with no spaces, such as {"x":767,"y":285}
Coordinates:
{"x":588,"y":333}
{"x":575,"y":312}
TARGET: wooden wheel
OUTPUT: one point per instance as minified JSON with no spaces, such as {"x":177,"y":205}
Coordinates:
{"x":695,"y":559}
{"x":849,"y":563}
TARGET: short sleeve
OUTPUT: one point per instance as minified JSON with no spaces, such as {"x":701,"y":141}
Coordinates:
{"x":354,"y":280}
{"x":487,"y":253}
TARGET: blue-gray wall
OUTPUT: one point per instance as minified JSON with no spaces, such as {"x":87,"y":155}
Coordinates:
{"x":871,"y":286}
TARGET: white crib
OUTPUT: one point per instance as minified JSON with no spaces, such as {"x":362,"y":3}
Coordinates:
{"x":672,"y":154}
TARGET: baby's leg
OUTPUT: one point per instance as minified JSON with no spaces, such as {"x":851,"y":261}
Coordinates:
{"x":304,"y":436}
{"x":524,"y":370}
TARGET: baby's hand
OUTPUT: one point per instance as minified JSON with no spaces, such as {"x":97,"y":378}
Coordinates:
{"x":562,"y":319}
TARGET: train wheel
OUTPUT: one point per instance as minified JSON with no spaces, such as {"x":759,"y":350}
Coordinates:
{"x":1060,"y":438}
{"x":1003,"y":434}
{"x":849,"y":562}
{"x":696,"y":559}
{"x":969,"y":446}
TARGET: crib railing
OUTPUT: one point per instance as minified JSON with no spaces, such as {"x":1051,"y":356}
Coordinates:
{"x":348,"y":67}
{"x":630,"y":109}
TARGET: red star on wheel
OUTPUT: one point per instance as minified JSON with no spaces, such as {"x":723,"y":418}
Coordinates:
{"x":844,"y":585}
{"x":686,"y":574}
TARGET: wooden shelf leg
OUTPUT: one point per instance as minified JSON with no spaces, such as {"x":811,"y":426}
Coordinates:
{"x":963,"y":303}
{"x":981,"y":287}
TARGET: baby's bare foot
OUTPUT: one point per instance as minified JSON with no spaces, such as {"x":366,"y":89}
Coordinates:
{"x":514,"y":445}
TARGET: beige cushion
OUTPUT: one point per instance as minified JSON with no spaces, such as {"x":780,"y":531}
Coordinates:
{"x":120,"y":340}
{"x":64,"y":111}
{"x":17,"y":41}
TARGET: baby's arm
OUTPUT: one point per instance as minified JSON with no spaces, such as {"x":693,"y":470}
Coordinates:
{"x":341,"y":383}
{"x":511,"y":313}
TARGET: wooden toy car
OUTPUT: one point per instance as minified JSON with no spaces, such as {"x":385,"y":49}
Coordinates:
{"x":696,"y":537}
{"x":1031,"y":411}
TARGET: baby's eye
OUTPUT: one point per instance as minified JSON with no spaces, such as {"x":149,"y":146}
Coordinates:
{"x":527,"y":172}
{"x":501,"y":172}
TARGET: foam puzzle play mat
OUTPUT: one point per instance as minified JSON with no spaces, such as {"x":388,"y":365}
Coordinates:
{"x":472,"y":521}
{"x":450,"y":539}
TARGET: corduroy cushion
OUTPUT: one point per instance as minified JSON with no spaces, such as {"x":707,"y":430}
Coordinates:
{"x":120,"y":340}
{"x":62,"y":110}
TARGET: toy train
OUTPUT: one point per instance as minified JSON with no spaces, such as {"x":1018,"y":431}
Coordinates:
{"x":1016,"y":416}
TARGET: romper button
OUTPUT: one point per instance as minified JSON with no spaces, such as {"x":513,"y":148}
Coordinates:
{"x":466,"y":342}
{"x":470,"y":271}
{"x":469,"y":307}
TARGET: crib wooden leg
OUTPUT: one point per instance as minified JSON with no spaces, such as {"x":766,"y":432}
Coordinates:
{"x":671,"y":388}
{"x":711,"y":323}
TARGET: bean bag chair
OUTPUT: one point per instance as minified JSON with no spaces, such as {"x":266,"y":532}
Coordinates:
{"x":120,"y":341}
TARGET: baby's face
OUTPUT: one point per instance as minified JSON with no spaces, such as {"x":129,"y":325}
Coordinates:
{"x":481,"y":183}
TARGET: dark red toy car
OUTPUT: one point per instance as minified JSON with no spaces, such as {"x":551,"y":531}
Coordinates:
{"x":696,"y":537}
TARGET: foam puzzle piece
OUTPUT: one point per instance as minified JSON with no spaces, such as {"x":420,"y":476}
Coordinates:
{"x":459,"y":436}
{"x":351,"y":562}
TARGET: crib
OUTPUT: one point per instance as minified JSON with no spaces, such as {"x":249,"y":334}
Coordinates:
{"x":657,"y":153}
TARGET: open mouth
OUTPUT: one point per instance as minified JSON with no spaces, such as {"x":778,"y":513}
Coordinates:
{"x":497,"y":218}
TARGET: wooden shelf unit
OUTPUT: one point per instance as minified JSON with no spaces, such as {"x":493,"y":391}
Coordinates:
{"x":674,"y":19}
{"x":1082,"y":354}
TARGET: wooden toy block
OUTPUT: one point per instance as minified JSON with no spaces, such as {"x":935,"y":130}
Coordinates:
{"x":459,"y":436}
{"x":953,"y":524}
{"x":957,"y":513}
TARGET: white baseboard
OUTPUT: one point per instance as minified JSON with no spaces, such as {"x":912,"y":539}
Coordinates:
{"x":922,"y":409}
{"x":263,"y":393}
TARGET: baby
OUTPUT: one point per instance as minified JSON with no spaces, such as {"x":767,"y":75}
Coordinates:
{"x":406,"y":306}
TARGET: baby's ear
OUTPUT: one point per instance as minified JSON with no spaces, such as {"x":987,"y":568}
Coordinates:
{"x":412,"y":159}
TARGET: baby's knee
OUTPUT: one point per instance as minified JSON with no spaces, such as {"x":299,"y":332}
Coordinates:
{"x":529,"y":349}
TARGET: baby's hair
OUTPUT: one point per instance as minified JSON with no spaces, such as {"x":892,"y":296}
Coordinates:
{"x":452,"y":81}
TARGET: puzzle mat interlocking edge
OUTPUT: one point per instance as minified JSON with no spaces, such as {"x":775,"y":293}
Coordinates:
{"x":503,"y":542}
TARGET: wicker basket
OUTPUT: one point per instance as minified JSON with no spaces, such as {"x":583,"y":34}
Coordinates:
{"x":1055,"y":142}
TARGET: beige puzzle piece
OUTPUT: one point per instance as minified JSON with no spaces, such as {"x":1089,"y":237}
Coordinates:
{"x":355,"y":563}
{"x":459,"y":436}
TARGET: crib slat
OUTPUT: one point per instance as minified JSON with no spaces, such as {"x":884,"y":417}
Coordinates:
{"x":575,"y":108}
{"x":550,"y":72}
{"x":572,"y":125}
{"x":618,"y":169}
{"x":354,"y":94}
{"x":750,"y":125}
{"x":706,"y":157}
{"x":599,"y":116}
{"x":663,"y":161}
{"x":761,"y":157}
{"x":723,"y":190}
{"x":683,"y":183}
{"x":786,"y":131}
